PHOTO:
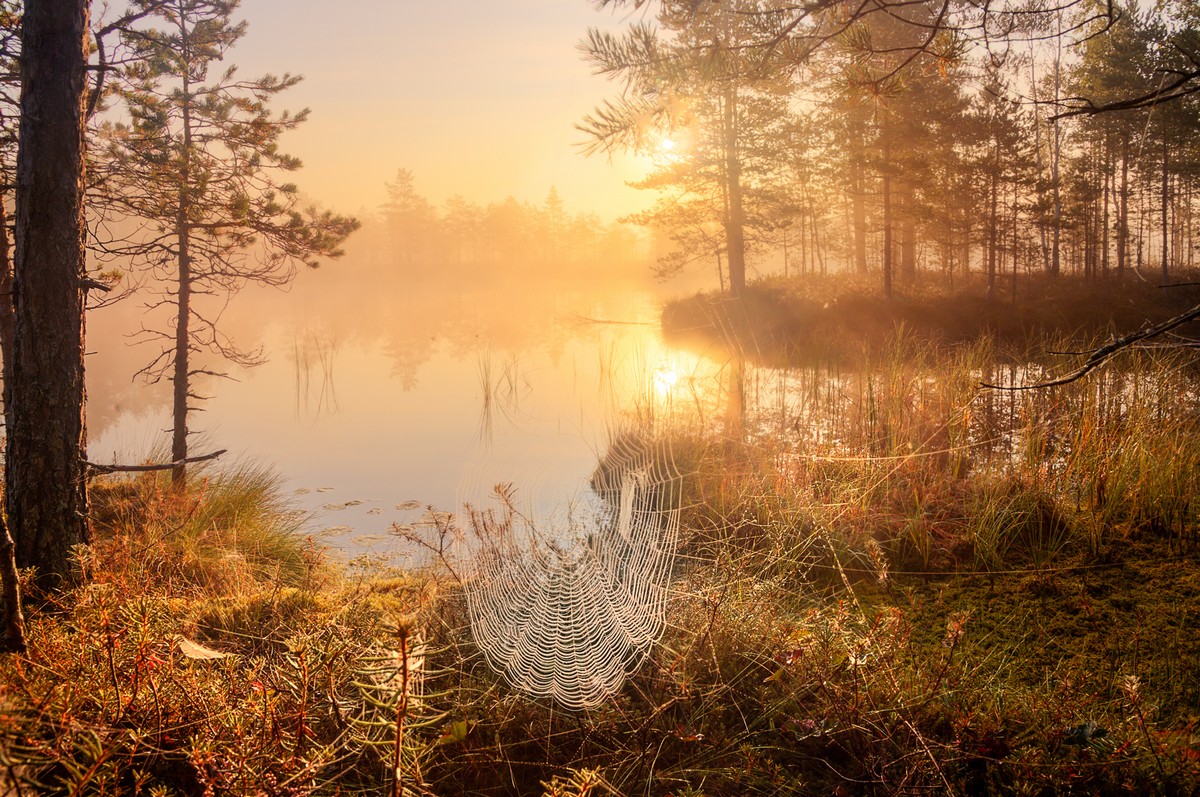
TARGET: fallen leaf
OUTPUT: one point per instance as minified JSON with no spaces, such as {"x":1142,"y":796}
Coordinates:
{"x":193,"y":650}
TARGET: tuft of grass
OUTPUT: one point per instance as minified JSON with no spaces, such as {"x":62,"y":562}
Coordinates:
{"x":211,"y":651}
{"x":229,"y":530}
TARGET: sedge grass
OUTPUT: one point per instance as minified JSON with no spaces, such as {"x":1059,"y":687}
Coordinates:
{"x":931,"y":595}
{"x":230,"y":527}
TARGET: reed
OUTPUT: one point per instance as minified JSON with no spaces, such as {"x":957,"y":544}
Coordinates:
{"x":889,"y":581}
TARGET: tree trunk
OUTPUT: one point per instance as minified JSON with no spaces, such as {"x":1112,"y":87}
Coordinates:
{"x":1123,"y":208}
{"x":948,"y":256}
{"x":1041,"y":169}
{"x":179,"y":405}
{"x":735,"y":219}
{"x":908,"y":232}
{"x":818,"y":253}
{"x":858,"y":178}
{"x":1166,"y":190}
{"x":1055,"y":174}
{"x":887,"y":215}
{"x":1016,"y":215}
{"x":6,"y":314}
{"x":1106,"y":185}
{"x":46,"y":493}
{"x":993,"y":223}
{"x":182,"y":374}
{"x":1141,"y":233}
{"x":13,"y":639}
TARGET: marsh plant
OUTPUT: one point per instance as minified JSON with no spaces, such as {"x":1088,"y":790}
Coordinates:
{"x":933,"y":589}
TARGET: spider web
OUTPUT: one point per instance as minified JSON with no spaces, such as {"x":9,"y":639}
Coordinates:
{"x":570,"y":618}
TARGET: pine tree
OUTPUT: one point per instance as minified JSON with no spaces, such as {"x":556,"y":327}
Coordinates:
{"x":199,"y":165}
{"x":45,"y":488}
{"x":410,"y":220}
{"x":694,"y":76}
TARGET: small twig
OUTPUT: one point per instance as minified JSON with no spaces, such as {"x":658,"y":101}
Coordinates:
{"x":401,"y":715}
{"x":99,"y":469}
{"x":932,"y":759}
{"x":95,"y":285}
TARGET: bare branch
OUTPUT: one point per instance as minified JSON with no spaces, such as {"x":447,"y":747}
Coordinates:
{"x":1104,"y":353}
{"x":96,"y":470}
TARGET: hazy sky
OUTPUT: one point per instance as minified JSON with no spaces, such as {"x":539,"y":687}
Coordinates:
{"x":475,"y":97}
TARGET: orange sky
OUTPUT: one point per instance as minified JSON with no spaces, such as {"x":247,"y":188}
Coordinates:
{"x":475,"y":97}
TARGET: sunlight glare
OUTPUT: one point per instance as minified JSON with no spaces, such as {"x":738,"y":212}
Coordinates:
{"x":665,"y":378}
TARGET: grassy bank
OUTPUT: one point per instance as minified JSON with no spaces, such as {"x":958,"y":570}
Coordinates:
{"x":788,"y":321}
{"x":896,"y":584}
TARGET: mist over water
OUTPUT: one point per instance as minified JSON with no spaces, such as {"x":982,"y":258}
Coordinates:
{"x":382,"y":395}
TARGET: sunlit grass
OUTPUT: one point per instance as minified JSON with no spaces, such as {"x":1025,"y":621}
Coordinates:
{"x":890,"y":581}
{"x":231,"y":527}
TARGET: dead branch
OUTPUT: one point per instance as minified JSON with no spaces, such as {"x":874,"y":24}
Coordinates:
{"x":1101,"y":355}
{"x":99,"y":469}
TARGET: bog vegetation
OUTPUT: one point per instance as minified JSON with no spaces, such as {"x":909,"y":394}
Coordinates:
{"x":924,"y":589}
{"x":888,"y":579}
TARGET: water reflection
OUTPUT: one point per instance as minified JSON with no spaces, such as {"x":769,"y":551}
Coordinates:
{"x":313,"y":357}
{"x":378,"y":404}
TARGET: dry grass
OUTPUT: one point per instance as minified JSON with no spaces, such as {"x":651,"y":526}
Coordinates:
{"x":936,"y":591}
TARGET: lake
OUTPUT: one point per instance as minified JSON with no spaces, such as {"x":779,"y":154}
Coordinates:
{"x":375,"y":404}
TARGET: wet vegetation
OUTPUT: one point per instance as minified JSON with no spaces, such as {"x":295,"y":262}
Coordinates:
{"x":787,"y":322}
{"x":902,"y":566}
{"x":890,"y":581}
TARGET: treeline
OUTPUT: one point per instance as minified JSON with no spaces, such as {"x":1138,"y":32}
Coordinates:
{"x":903,"y":145}
{"x":507,"y":239}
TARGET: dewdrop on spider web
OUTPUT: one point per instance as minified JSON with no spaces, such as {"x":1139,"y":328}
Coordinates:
{"x":569,"y":620}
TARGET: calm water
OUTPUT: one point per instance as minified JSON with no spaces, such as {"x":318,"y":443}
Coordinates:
{"x":375,"y":404}
{"x":381,"y":398}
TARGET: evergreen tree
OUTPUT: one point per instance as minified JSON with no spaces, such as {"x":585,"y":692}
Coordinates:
{"x":410,"y":220}
{"x":199,"y":165}
{"x":1111,"y":66}
{"x":697,"y":73}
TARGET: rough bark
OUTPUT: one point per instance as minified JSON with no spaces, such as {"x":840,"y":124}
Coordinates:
{"x":13,"y":639}
{"x":181,"y":377}
{"x":46,"y":492}
{"x":6,"y":314}
{"x":179,"y":409}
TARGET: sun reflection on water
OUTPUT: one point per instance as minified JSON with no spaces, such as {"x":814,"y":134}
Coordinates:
{"x":665,"y":378}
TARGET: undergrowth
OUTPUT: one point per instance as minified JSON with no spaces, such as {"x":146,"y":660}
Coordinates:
{"x":889,"y":583}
